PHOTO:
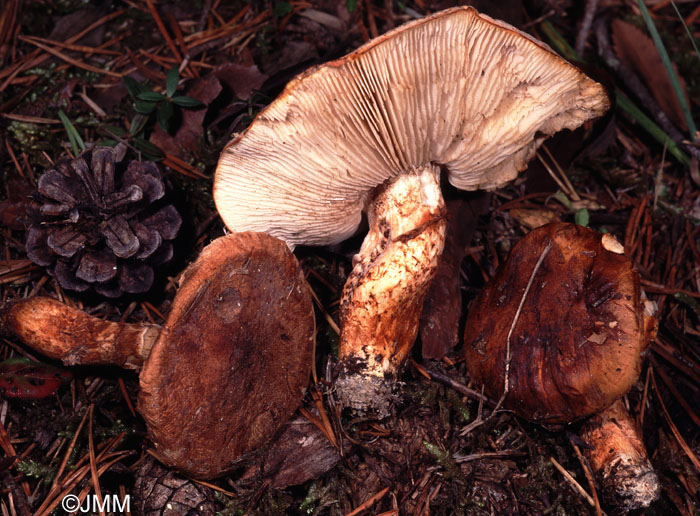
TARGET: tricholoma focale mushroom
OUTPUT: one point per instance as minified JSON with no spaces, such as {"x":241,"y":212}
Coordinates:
{"x":456,"y":95}
{"x":561,"y":330}
{"x":226,"y":370}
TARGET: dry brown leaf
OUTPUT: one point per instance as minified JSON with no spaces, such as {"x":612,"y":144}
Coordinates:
{"x":439,"y":323}
{"x":638,"y":51}
{"x":533,"y":218}
{"x":241,"y":79}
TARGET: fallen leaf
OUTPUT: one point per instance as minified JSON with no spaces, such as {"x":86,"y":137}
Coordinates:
{"x":240,"y":79}
{"x":534,"y":218}
{"x":637,"y":49}
{"x":442,"y":309}
{"x":22,"y":378}
{"x":300,"y":454}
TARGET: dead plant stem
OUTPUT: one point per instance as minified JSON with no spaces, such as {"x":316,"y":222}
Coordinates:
{"x":506,"y":382}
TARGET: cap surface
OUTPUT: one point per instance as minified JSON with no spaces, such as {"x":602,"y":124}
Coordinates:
{"x":456,"y":89}
{"x":232,"y":362}
{"x":576,"y":345}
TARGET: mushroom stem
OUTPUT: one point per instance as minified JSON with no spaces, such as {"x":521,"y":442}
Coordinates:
{"x":619,"y":459}
{"x":383,"y":297}
{"x":74,"y":337}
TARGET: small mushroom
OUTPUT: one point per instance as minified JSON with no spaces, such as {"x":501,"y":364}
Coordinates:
{"x":564,"y":324}
{"x":456,"y":93}
{"x":227,"y":369}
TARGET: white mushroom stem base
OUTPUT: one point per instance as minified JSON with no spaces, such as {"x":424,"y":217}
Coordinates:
{"x":619,"y":459}
{"x":383,"y":297}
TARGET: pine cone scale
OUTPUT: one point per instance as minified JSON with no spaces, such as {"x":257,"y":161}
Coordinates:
{"x":103,"y":225}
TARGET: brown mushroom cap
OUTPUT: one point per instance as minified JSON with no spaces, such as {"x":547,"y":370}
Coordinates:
{"x":576,"y":346}
{"x":232,"y":362}
{"x":455,"y":89}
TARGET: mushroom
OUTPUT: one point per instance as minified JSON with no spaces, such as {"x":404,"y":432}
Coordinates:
{"x":455,"y":94}
{"x":227,"y":369}
{"x":560,"y":331}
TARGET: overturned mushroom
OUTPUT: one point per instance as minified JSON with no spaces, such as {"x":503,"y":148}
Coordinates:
{"x":226,"y":370}
{"x":455,"y":93}
{"x":561,"y":329}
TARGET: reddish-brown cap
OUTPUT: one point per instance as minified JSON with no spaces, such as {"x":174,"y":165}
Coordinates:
{"x":456,"y":89}
{"x":232,"y":362}
{"x":577,"y":342}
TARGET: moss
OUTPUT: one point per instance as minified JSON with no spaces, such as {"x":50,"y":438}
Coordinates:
{"x":36,"y":470}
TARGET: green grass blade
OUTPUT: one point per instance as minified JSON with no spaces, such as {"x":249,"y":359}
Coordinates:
{"x":650,"y":126}
{"x":687,"y":30}
{"x":73,"y":135}
{"x":669,"y":69}
{"x":559,"y":43}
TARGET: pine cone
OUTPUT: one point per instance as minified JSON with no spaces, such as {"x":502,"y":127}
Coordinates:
{"x":101,"y":226}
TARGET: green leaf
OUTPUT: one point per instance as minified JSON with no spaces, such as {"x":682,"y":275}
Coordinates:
{"x":144,"y":107}
{"x":116,"y":130}
{"x":581,"y":217}
{"x":562,"y":198}
{"x":150,"y":96}
{"x":137,"y":124}
{"x":164,"y":115}
{"x":187,"y":102}
{"x":171,"y":81}
{"x":151,"y":151}
{"x":351,"y":5}
{"x":282,"y":9}
{"x":133,"y":86}
{"x":76,"y":141}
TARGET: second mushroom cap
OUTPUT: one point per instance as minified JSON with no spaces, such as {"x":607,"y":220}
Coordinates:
{"x":577,"y":340}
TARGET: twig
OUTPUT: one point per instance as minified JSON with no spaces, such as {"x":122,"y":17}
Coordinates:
{"x":369,"y":502}
{"x":459,"y":387}
{"x":70,"y":46}
{"x":589,"y":14}
{"x":506,"y":383}
{"x":479,"y":419}
{"x":674,"y":429}
{"x":163,"y":30}
{"x":93,"y":461}
{"x":577,"y":487}
{"x":656,"y":288}
{"x":672,"y":388}
{"x":570,"y":190}
{"x":70,"y":60}
{"x":589,"y":478}
{"x":486,"y":455}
